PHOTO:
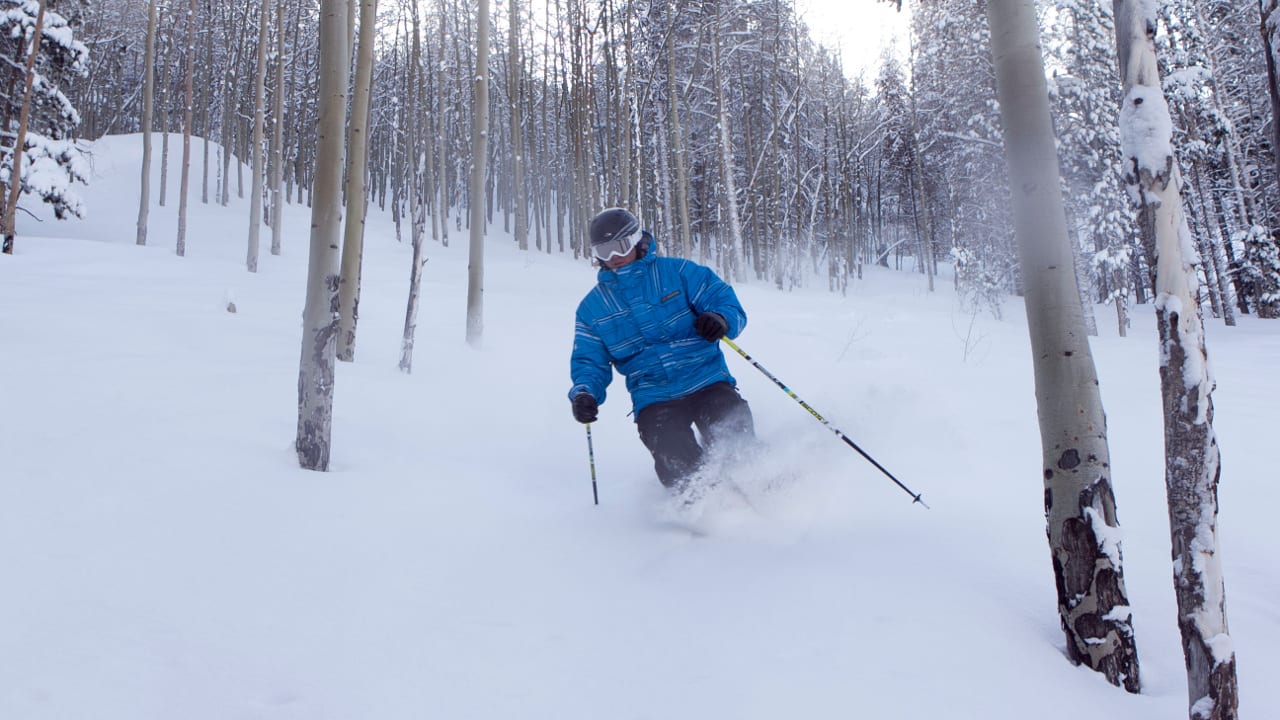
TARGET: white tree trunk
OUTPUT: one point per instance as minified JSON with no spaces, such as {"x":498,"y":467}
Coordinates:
{"x":517,"y":139}
{"x":411,"y":187}
{"x":188,"y":101}
{"x":259,"y":113}
{"x":357,"y":143}
{"x":682,"y":236}
{"x":148,"y":104}
{"x":922,"y":206}
{"x":1080,"y":256}
{"x":319,"y":316}
{"x":732,"y":255}
{"x":476,"y":199}
{"x":206,"y":94}
{"x":166,"y":54}
{"x":1079,"y":503}
{"x":1191,"y":448}
{"x":277,"y":139}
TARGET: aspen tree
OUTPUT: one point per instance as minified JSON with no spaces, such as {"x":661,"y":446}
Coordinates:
{"x":416,"y":228}
{"x":164,"y":102}
{"x":148,"y":96}
{"x":188,"y":100}
{"x":259,"y":113}
{"x":277,"y":138}
{"x":319,"y":316}
{"x":357,"y":144}
{"x":206,"y":92}
{"x":475,"y":199}
{"x":731,"y":254}
{"x":684,"y":245}
{"x":516,"y":99}
{"x":1192,"y":463}
{"x":1079,"y":503}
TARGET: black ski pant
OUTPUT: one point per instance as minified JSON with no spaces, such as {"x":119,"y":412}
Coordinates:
{"x":666,"y":428}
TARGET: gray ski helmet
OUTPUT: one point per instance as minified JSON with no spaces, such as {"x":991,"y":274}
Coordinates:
{"x":615,"y":223}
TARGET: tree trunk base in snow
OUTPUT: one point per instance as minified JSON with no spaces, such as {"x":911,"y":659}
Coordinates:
{"x":1092,"y":602}
{"x":1220,"y":699}
{"x":315,"y":387}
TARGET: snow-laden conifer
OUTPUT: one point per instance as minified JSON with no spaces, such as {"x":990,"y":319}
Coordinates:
{"x":1081,"y":44}
{"x":43,"y":55}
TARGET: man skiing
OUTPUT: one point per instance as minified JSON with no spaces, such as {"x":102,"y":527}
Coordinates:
{"x":658,"y":320}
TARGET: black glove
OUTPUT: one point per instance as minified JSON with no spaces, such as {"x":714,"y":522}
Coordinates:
{"x":585,"y":407}
{"x":710,"y":326}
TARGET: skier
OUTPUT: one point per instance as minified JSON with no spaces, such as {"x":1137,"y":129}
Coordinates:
{"x":658,"y":320}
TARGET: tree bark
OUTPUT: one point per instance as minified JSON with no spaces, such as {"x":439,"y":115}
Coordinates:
{"x":1191,"y":451}
{"x":320,"y":327}
{"x":1079,"y":503}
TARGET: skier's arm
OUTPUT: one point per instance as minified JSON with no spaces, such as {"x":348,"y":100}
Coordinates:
{"x":708,"y":293}
{"x":589,"y":365}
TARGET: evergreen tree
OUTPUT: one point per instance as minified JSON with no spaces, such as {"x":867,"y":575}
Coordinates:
{"x":1214,"y":78}
{"x":1082,"y":45}
{"x":953,"y":81}
{"x":51,"y":161}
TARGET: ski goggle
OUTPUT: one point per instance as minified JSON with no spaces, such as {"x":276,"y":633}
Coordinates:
{"x":617,"y":246}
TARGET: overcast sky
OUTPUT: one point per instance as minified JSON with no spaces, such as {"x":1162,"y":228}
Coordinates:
{"x":860,"y":28}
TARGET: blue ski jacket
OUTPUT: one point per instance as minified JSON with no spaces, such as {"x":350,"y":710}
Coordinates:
{"x":639,"y":319}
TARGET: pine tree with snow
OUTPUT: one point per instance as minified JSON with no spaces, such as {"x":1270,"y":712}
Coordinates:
{"x":50,"y":162}
{"x":1211,"y":63}
{"x":953,"y":81}
{"x":1081,"y":40}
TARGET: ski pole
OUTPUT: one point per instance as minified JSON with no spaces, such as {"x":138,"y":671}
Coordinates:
{"x":591,"y":456}
{"x":915,"y":497}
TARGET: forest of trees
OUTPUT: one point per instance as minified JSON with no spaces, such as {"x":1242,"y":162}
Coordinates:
{"x":741,"y":142}
{"x":746,"y":145}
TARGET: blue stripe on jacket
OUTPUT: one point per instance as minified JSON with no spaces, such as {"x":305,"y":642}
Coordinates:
{"x":639,"y":319}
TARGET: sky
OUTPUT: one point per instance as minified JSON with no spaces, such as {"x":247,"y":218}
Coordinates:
{"x":164,"y":557}
{"x":860,"y":28}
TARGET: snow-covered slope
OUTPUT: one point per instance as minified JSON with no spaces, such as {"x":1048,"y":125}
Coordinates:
{"x":164,"y":557}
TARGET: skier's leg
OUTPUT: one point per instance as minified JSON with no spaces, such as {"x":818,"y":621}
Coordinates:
{"x":722,"y":416}
{"x":666,"y":429}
